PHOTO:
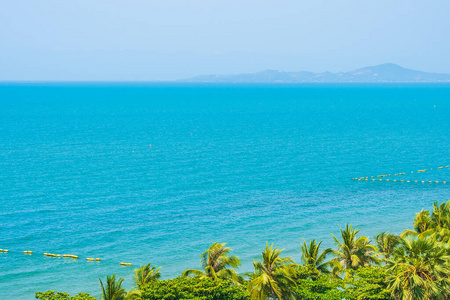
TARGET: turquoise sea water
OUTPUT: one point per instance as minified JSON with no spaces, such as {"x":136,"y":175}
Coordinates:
{"x":230,"y":163}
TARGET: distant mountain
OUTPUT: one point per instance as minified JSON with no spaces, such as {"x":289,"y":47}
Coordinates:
{"x":380,"y":73}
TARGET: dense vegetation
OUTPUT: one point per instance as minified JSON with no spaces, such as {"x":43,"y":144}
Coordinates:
{"x":414,"y":265}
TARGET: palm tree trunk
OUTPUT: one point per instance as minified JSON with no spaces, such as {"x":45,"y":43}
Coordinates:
{"x":273,"y":293}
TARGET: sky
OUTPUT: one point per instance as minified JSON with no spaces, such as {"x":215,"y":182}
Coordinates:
{"x":150,"y":40}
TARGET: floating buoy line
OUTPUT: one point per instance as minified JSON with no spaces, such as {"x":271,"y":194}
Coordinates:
{"x":76,"y":257}
{"x":383,"y":177}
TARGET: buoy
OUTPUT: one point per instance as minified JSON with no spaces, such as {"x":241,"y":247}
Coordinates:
{"x":1,"y":250}
{"x":437,"y":181}
{"x":59,"y":255}
{"x":70,"y":255}
{"x":447,"y":166}
{"x":4,"y":250}
{"x":444,"y":182}
{"x":423,"y":181}
{"x":373,"y":179}
{"x":125,"y":264}
{"x":415,"y":181}
{"x":90,"y":259}
{"x":28,"y":252}
{"x":394,"y":180}
{"x":429,"y":181}
{"x":440,"y":167}
{"x":408,"y":181}
{"x":387,"y":179}
{"x":381,"y":179}
{"x":401,"y":180}
{"x":97,"y":259}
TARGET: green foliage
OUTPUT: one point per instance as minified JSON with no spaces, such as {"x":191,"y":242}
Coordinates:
{"x":312,"y":285}
{"x":386,"y":243}
{"x":113,"y":289}
{"x":368,"y":283}
{"x":364,"y":283}
{"x":182,"y":288}
{"x":52,"y":295}
{"x":216,"y":263}
{"x":145,"y":274}
{"x":353,"y":252}
{"x":322,"y":288}
{"x":435,"y":225}
{"x":313,"y":258}
{"x":273,"y":276}
{"x":420,"y":269}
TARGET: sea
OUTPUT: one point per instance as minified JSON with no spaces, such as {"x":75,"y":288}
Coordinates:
{"x":156,"y":172}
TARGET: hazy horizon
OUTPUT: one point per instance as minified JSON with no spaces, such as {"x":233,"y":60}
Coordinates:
{"x":151,"y":41}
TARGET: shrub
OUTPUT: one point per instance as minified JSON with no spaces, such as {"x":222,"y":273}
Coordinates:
{"x":368,"y":283}
{"x":52,"y":295}
{"x":194,"y":288}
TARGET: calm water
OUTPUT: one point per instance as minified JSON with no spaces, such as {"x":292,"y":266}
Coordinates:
{"x":238,"y":164}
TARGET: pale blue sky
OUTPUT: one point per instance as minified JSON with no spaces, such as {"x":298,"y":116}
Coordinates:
{"x":170,"y":39}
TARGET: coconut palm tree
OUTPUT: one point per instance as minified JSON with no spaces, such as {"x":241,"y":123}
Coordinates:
{"x":423,"y":225}
{"x":386,"y":243}
{"x":313,"y":259}
{"x":420,"y":269}
{"x":146,"y":274}
{"x":353,"y":252}
{"x":216,"y":263}
{"x":272,"y":276}
{"x":440,"y":221}
{"x":113,"y":289}
{"x":435,"y":225}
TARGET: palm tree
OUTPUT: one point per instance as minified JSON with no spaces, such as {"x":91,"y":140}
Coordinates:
{"x":113,"y":290}
{"x":353,"y":252}
{"x":440,"y":218}
{"x":272,"y":276}
{"x":386,"y":243}
{"x":146,"y":274}
{"x":420,"y":269}
{"x":216,"y":262}
{"x":435,"y":225}
{"x":313,"y":259}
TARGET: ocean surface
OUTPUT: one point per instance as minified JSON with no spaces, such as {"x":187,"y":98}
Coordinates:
{"x":142,"y":173}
